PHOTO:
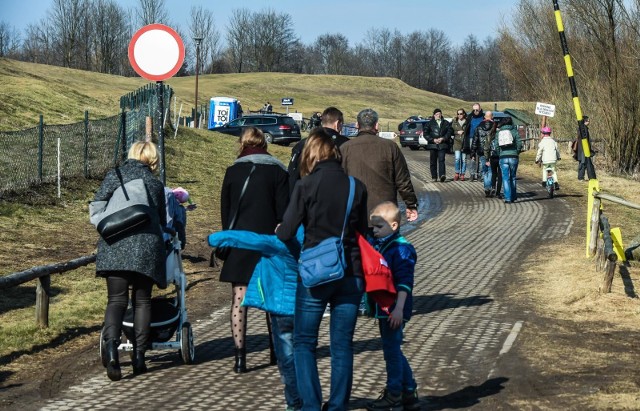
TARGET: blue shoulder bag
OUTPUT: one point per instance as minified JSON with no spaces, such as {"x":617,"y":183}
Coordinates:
{"x":326,"y":261}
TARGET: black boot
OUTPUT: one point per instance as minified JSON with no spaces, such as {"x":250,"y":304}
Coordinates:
{"x":137,"y":362}
{"x":113,"y":362}
{"x":241,"y":360}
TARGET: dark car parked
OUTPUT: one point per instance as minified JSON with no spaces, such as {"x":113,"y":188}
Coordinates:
{"x":411,"y":134}
{"x":278,"y":129}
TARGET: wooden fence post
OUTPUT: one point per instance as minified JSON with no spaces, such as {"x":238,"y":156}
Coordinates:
{"x":609,"y":257}
{"x":86,"y":144}
{"x":40,"y":146}
{"x":43,"y":291}
{"x":595,"y":223}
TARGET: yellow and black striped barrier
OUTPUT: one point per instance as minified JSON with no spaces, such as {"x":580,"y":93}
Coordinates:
{"x":583,"y":130}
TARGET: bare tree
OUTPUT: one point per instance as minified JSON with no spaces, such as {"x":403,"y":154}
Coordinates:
{"x":151,"y":11}
{"x":111,"y":34}
{"x":202,"y":26}
{"x":67,"y":18}
{"x":333,"y":52}
{"x":9,"y":40}
{"x":239,"y":39}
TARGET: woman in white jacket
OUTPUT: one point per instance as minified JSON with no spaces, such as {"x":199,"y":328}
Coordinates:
{"x":548,"y":155}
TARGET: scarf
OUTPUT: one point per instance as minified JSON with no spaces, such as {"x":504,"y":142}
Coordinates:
{"x":247,"y":151}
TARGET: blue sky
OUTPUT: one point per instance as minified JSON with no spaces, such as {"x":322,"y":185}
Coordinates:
{"x":457,"y":18}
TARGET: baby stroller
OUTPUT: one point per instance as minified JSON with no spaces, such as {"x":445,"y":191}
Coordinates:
{"x":168,"y":316}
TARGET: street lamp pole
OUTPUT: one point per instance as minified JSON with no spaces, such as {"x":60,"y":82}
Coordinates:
{"x":198,"y":40}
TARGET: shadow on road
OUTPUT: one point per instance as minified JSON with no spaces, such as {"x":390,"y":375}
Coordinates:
{"x":466,"y":397}
{"x":425,"y":304}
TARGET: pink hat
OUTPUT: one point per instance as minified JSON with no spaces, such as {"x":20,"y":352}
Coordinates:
{"x":545,"y":130}
{"x":181,"y":194}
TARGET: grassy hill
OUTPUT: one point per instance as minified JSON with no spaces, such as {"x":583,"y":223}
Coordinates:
{"x":63,"y":94}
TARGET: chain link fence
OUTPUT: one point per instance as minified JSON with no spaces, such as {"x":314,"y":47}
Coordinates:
{"x":86,"y":149}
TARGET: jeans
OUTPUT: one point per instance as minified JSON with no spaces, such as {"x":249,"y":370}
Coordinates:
{"x":509,"y":166}
{"x":474,"y":166}
{"x":282,"y":327}
{"x":460,"y":162}
{"x":117,"y":300}
{"x":486,"y":172}
{"x":399,"y":374}
{"x":582,"y":168}
{"x":496,"y":175}
{"x":436,"y":163}
{"x":344,"y":296}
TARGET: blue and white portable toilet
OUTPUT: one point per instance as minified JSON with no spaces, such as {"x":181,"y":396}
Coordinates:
{"x":222,"y":110}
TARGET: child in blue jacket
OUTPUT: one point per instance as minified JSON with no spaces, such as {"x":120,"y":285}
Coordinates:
{"x":400,"y":392}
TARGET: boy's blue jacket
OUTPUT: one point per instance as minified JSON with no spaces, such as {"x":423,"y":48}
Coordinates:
{"x":401,"y":257}
{"x":275,"y":279}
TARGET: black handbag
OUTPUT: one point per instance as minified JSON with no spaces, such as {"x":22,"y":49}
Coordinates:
{"x":127,"y":211}
{"x":222,"y":253}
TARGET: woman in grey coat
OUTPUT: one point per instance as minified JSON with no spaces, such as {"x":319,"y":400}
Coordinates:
{"x":137,"y":260}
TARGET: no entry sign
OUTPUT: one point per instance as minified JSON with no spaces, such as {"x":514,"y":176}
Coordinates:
{"x":156,"y":52}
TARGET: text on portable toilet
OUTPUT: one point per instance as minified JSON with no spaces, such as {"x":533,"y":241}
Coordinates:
{"x":222,"y":110}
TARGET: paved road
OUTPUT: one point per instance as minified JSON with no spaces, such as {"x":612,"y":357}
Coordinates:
{"x":467,"y":247}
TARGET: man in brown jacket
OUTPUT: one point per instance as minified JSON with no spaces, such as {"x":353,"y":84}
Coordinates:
{"x":379,"y":164}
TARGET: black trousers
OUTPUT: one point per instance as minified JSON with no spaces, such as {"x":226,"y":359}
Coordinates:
{"x":496,"y":174}
{"x":436,"y":163}
{"x":117,"y":299}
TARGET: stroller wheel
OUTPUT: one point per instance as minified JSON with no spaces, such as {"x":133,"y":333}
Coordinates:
{"x":187,"y":347}
{"x":102,"y":348}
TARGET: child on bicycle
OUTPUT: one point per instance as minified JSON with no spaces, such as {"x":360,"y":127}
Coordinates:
{"x":548,"y":154}
{"x":400,"y":392}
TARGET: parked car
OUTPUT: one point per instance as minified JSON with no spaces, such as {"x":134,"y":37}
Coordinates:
{"x":278,"y":129}
{"x":411,"y":134}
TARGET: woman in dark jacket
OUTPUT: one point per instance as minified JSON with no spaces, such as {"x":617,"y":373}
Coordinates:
{"x":319,"y":202}
{"x":260,"y":210}
{"x":137,"y":260}
{"x":459,"y":128}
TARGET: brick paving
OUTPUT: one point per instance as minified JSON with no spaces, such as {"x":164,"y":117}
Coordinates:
{"x":467,"y":246}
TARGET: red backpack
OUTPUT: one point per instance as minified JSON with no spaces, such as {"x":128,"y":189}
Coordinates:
{"x":377,"y":275}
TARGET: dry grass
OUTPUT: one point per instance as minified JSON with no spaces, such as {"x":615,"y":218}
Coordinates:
{"x":583,"y":332}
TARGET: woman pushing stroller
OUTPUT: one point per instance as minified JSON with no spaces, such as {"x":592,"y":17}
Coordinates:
{"x":136,"y":260}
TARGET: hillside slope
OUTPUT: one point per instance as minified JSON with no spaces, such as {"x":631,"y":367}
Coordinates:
{"x":62,"y":94}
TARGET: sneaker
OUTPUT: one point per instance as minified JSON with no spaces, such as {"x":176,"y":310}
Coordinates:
{"x":434,"y":179}
{"x":487,"y":193}
{"x":461,"y":177}
{"x":456,"y":176}
{"x":492,"y":193}
{"x":410,"y":400}
{"x":443,"y":178}
{"x":473,"y":177}
{"x":386,"y":402}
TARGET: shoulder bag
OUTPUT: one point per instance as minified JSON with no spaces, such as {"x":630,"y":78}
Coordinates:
{"x":127,"y":212}
{"x":222,"y":253}
{"x":326,"y":262}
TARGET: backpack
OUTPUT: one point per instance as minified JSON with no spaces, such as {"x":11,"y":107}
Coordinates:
{"x":377,"y":275}
{"x":505,"y":138}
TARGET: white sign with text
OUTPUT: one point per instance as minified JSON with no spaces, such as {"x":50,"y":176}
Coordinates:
{"x":543,"y":109}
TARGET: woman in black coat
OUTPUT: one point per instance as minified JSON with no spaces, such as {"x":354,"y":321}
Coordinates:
{"x":137,"y":260}
{"x":259,"y":210}
{"x":319,"y":203}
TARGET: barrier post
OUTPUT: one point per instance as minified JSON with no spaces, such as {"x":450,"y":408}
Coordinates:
{"x":43,"y":291}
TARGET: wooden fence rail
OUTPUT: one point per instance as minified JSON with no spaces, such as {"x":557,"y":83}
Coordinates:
{"x":43,"y":288}
{"x":606,"y":257}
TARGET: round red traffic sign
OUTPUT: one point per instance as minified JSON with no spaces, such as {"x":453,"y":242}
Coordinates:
{"x":156,"y":52}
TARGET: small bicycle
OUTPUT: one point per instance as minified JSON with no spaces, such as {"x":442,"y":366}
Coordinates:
{"x":550,"y":185}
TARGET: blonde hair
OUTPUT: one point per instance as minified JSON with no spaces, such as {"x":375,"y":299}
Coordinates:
{"x":388,"y":211}
{"x":319,"y":147}
{"x":252,"y":137}
{"x":146,"y":152}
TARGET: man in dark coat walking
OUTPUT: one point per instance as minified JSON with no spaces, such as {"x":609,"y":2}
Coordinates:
{"x":438,"y":133}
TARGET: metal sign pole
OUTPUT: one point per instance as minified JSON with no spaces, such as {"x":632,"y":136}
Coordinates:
{"x":160,"y":92}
